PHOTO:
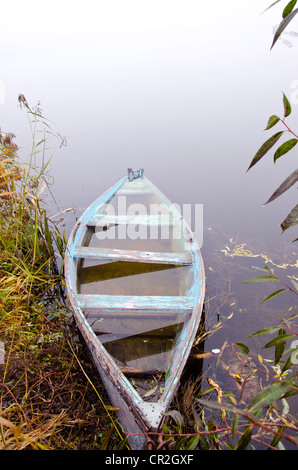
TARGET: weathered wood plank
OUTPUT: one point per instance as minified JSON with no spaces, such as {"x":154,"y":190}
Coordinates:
{"x":148,"y":303}
{"x":134,"y":256}
{"x":142,"y":219}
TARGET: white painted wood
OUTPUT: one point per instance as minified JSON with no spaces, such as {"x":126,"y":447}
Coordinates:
{"x":87,"y":252}
{"x":130,"y":302}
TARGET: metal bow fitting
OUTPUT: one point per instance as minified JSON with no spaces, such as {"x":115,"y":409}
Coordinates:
{"x":134,"y":174}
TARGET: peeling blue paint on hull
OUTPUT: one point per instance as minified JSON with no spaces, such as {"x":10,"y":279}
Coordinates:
{"x":138,"y":415}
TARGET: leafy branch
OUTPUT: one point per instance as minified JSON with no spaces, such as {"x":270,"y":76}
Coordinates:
{"x":287,"y":15}
{"x":292,"y":217}
{"x":268,"y":277}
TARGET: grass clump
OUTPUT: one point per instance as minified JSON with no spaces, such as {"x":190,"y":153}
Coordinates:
{"x":49,"y":387}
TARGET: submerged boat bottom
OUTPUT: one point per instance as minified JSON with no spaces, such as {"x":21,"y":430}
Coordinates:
{"x":141,"y":345}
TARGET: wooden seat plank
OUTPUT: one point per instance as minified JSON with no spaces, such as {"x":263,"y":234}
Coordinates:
{"x":116,"y":303}
{"x":86,"y":252}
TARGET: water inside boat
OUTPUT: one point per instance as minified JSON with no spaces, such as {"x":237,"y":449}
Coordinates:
{"x":140,"y":341}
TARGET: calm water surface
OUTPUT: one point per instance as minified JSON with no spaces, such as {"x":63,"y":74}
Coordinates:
{"x":183,"y":91}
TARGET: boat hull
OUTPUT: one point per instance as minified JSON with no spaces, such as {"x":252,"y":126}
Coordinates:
{"x":136,"y":415}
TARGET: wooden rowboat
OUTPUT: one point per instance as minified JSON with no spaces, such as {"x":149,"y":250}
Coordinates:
{"x":136,"y":284}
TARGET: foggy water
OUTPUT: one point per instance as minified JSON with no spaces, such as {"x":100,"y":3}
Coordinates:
{"x":183,"y":90}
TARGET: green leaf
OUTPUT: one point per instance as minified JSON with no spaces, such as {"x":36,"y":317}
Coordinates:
{"x":265,"y":148}
{"x":150,"y":392}
{"x":278,"y":339}
{"x":287,"y":365}
{"x":193,"y":442}
{"x":290,"y":220}
{"x":270,"y":393}
{"x":280,"y":345}
{"x":278,"y":436}
{"x":274,"y":294}
{"x":243,"y":347}
{"x":279,"y":342}
{"x":289,"y":8}
{"x":266,"y":331}
{"x":284,"y":23}
{"x":213,"y":436}
{"x":263,"y":278}
{"x":244,"y":439}
{"x":272,"y":121}
{"x":291,"y":393}
{"x":284,"y":186}
{"x":287,"y":106}
{"x":285,"y":148}
{"x":235,"y":422}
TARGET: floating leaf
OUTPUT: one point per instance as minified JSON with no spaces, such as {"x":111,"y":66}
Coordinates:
{"x":283,"y":25}
{"x":272,"y":121}
{"x":284,"y":186}
{"x":243,"y":347}
{"x":290,"y":220}
{"x":264,"y":278}
{"x":150,"y":392}
{"x":290,"y":6}
{"x":281,"y":338}
{"x":274,"y":294}
{"x":260,"y":358}
{"x":285,"y":148}
{"x":264,"y":148}
{"x":266,"y":331}
{"x":270,"y":393}
{"x":233,"y":399}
